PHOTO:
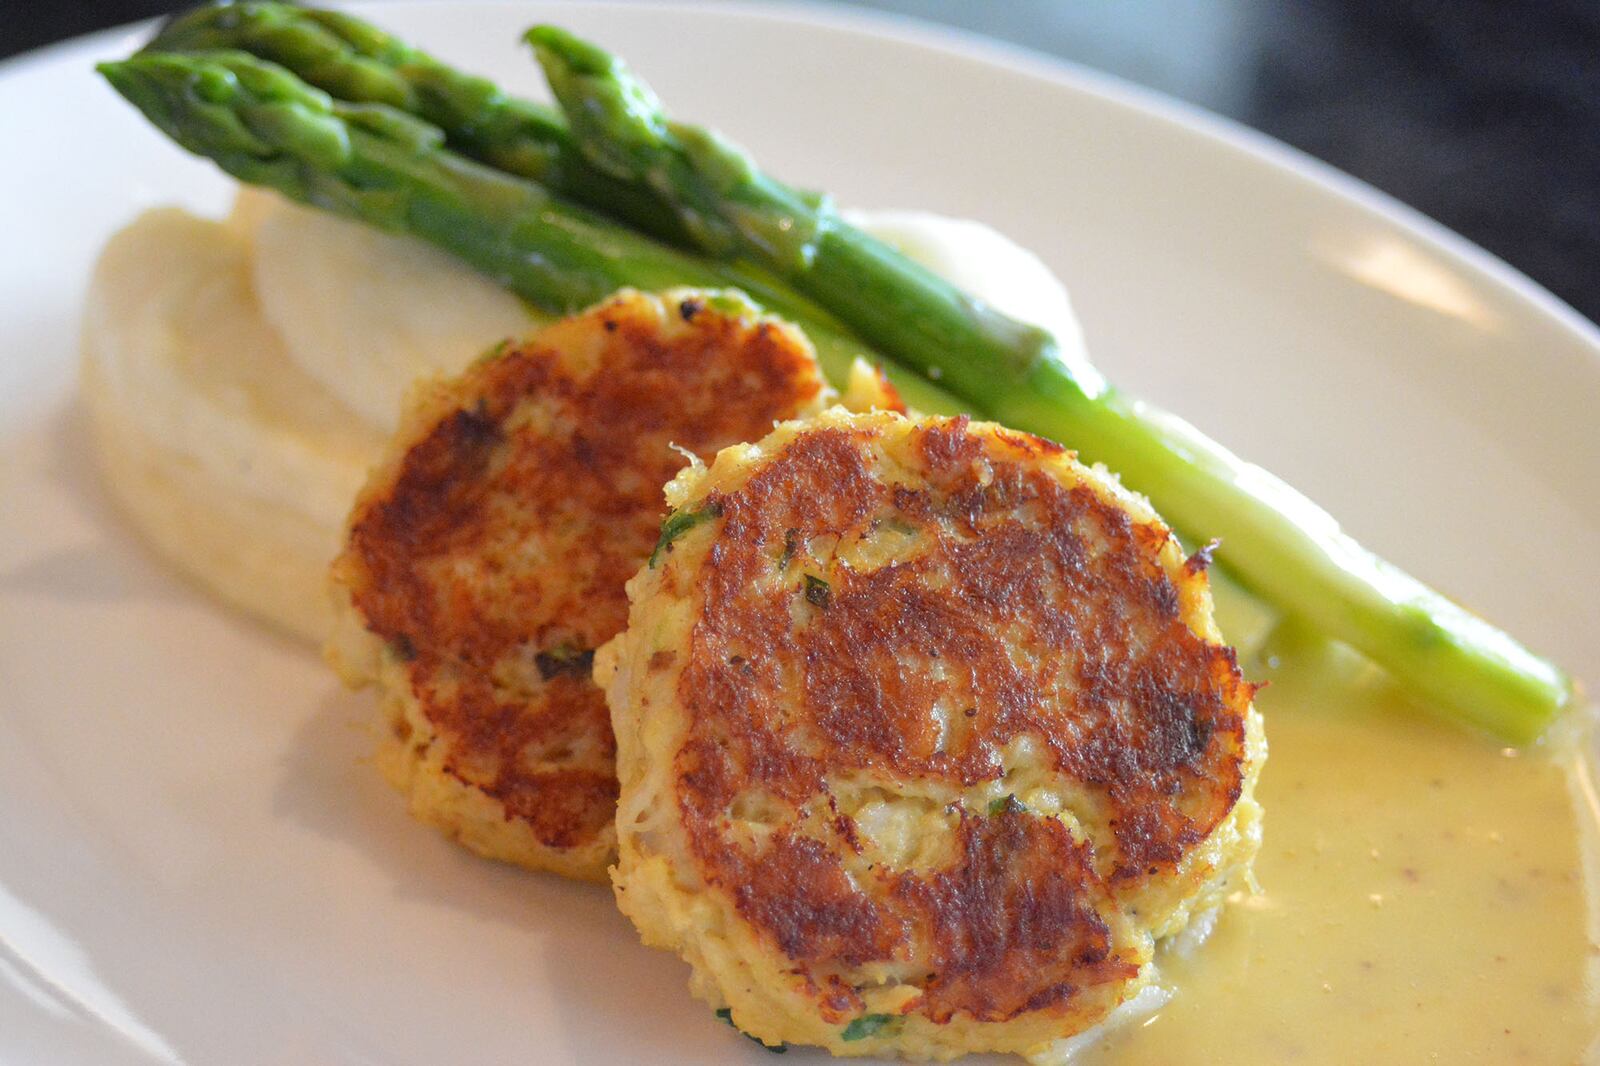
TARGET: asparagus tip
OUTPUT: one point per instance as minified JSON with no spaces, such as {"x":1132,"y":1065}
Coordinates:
{"x":582,"y":57}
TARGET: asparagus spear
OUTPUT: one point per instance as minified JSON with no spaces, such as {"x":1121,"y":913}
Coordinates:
{"x":1279,"y":543}
{"x":360,"y":63}
{"x":356,"y":61}
{"x":389,"y":169}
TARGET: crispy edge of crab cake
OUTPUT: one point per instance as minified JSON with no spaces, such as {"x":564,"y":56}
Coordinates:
{"x":488,"y":554}
{"x":926,"y":737}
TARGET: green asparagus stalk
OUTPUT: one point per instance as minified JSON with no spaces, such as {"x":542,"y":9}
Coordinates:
{"x":1279,"y":543}
{"x":356,"y":61}
{"x":389,"y":169}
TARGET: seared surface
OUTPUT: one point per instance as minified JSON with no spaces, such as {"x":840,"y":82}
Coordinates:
{"x":952,"y":711}
{"x":490,"y":555}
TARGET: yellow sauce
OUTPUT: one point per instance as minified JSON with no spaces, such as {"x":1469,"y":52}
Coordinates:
{"x":1424,"y":896}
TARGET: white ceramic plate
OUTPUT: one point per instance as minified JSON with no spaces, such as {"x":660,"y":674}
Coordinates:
{"x":195,"y":863}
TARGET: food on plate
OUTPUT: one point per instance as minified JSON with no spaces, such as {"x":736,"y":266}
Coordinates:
{"x":382,"y":163}
{"x":926,"y":736}
{"x":488,"y":554}
{"x":927,"y":739}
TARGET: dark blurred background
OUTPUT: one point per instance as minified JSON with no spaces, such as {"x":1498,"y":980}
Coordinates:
{"x":1484,"y":114}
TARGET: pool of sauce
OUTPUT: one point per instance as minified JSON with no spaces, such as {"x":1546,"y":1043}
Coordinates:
{"x":1424,"y":893}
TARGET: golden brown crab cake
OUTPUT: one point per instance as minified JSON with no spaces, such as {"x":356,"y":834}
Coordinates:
{"x":487,"y":556}
{"x":926,"y":737}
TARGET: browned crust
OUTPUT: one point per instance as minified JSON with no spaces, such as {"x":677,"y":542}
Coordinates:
{"x":1040,"y":609}
{"x":493,"y":556}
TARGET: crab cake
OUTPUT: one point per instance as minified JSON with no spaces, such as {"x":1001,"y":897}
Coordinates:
{"x":926,"y":739}
{"x":487,"y":557}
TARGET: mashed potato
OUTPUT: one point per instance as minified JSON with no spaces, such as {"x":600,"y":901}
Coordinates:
{"x":366,"y":313}
{"x":242,"y":375}
{"x":235,"y":464}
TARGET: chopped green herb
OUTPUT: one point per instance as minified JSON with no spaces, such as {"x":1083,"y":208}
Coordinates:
{"x":791,"y":544}
{"x":726,"y":1014}
{"x":901,"y":526}
{"x":818,"y":592}
{"x":496,"y":352}
{"x":731,"y":302}
{"x":402,"y":648}
{"x":1007,"y":804}
{"x":564,"y":659}
{"x":870,"y":1025}
{"x":678,"y":523}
